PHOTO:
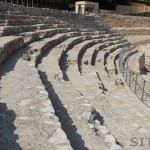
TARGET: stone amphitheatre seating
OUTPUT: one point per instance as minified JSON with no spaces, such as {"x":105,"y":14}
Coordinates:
{"x":128,"y":25}
{"x":140,"y":62}
{"x":55,"y":67}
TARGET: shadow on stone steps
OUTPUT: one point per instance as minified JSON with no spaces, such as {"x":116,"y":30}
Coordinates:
{"x":61,"y":112}
{"x":10,"y":62}
{"x":7,"y":137}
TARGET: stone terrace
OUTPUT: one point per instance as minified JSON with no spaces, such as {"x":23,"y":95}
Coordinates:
{"x":128,"y":25}
{"x":59,"y":84}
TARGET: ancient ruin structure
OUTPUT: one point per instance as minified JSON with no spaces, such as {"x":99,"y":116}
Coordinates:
{"x":67,"y":83}
{"x":84,"y":7}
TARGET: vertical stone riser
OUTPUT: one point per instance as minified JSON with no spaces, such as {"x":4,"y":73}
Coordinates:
{"x":9,"y":48}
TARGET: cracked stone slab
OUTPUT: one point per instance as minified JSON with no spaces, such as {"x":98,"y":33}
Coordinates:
{"x":64,"y":147}
{"x":115,"y":147}
{"x":142,"y":130}
{"x":58,"y":137}
{"x":88,"y":105}
{"x":103,"y":129}
{"x":43,"y":92}
{"x":24,"y":118}
{"x":32,"y":107}
{"x":48,"y":109}
{"x":25,"y":102}
{"x":41,"y":87}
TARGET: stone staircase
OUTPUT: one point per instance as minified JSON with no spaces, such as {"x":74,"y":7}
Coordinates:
{"x":61,"y":87}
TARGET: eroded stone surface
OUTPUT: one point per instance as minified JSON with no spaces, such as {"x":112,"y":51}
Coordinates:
{"x":58,"y":137}
{"x":147,"y":58}
{"x":35,"y":117}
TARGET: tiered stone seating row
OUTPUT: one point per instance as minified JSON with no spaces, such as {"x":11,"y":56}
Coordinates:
{"x":66,"y":65}
{"x":136,"y":75}
{"x":137,"y":63}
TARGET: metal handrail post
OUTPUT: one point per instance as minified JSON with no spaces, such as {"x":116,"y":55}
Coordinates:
{"x":143,"y":91}
{"x":135,"y":83}
{"x":130,"y":78}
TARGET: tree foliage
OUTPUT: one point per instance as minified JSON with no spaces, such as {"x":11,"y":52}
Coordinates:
{"x":69,"y":4}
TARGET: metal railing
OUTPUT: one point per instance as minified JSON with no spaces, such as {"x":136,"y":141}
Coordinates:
{"x":135,"y":82}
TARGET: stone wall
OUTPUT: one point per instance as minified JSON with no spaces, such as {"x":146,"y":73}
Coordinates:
{"x":10,"y":47}
{"x":114,"y":20}
{"x":127,"y":25}
{"x":133,"y":8}
{"x":126,"y":31}
{"x":8,"y":8}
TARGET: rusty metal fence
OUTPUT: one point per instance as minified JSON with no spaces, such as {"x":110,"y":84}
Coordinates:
{"x":135,"y":82}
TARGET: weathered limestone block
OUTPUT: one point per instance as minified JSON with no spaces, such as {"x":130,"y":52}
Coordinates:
{"x":30,"y":21}
{"x":147,"y":59}
{"x":18,"y":29}
{"x":58,"y":137}
{"x":126,"y":21}
{"x":126,"y":31}
{"x":10,"y":47}
{"x":28,"y":38}
{"x":38,"y":52}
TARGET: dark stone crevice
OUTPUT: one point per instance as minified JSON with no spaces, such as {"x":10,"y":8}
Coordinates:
{"x":61,"y":112}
